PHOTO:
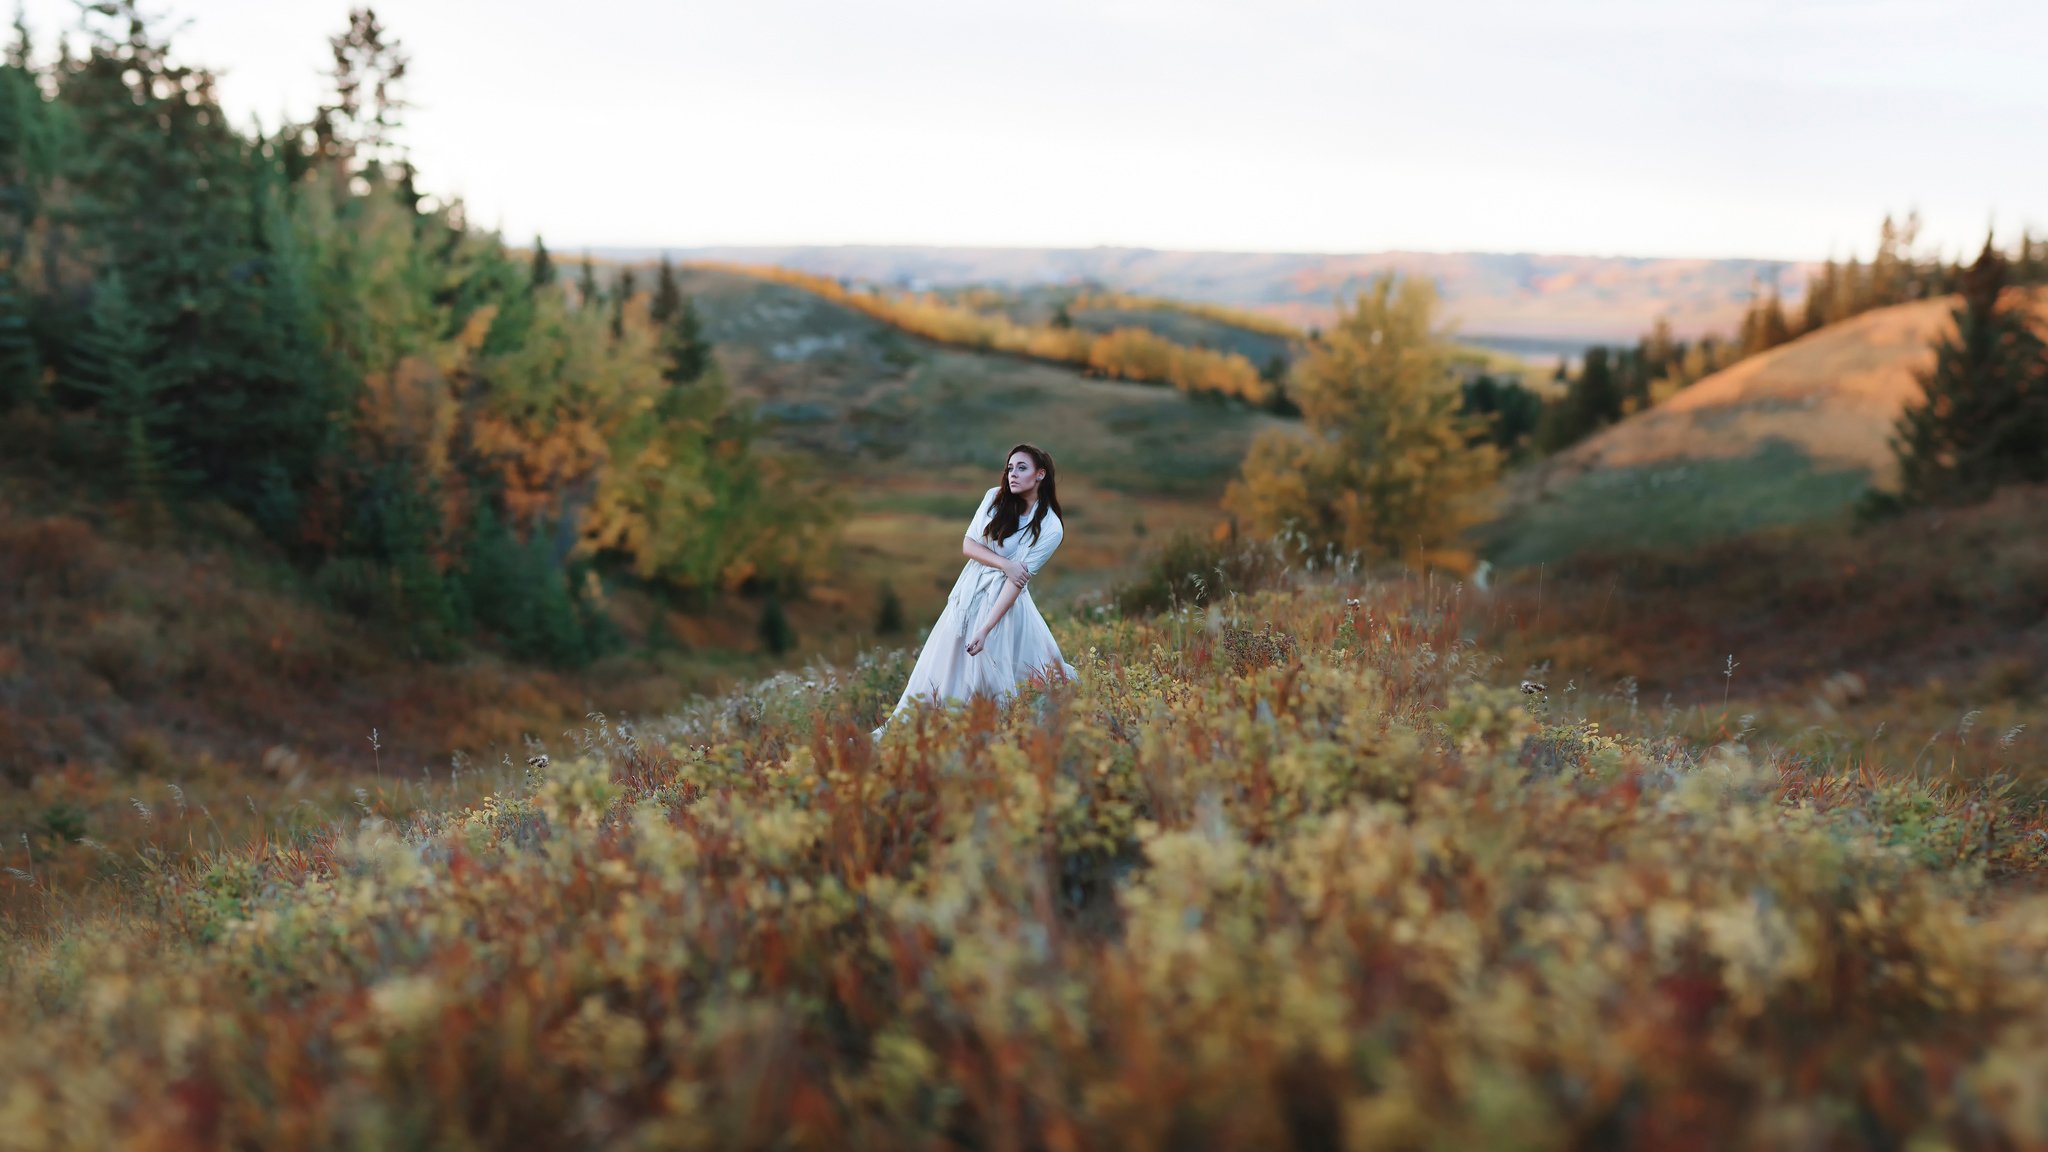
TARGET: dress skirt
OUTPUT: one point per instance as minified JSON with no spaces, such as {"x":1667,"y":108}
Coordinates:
{"x":1019,"y":648}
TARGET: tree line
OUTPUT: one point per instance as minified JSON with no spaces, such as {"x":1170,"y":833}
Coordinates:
{"x":1613,"y":382}
{"x":440,"y":433}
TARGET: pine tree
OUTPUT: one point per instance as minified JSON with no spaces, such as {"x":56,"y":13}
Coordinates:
{"x":543,"y":272}
{"x":1985,"y":420}
{"x":587,"y":293}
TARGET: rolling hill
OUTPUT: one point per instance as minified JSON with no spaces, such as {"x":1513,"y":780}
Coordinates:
{"x":1534,"y":305}
{"x":915,"y":433}
{"x":1794,"y":435}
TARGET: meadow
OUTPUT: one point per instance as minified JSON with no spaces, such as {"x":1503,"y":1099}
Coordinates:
{"x":1301,"y":868}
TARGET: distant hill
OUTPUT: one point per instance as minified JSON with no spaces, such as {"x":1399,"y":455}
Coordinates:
{"x":1793,"y":435}
{"x":1543,"y":304}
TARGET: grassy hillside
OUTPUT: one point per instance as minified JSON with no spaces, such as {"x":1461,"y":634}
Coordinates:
{"x":1186,"y":328}
{"x":1794,"y":435}
{"x":1923,"y":642}
{"x":1307,"y":874}
{"x":915,"y":433}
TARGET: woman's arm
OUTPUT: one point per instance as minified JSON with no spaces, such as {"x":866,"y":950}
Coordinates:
{"x":1008,"y":596}
{"x":1016,"y":570}
{"x":972,"y":547}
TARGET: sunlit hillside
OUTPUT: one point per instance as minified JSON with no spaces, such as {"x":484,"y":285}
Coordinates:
{"x":1795,"y":434}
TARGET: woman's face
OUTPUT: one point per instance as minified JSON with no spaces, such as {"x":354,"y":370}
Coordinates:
{"x":1023,"y":475}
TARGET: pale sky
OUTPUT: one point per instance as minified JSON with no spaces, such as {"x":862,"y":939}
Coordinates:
{"x":1763,"y":128}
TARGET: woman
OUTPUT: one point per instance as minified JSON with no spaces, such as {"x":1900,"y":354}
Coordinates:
{"x":990,"y":639}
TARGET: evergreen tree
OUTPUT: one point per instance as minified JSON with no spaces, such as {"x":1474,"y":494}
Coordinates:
{"x":1509,"y":411}
{"x":543,"y":272}
{"x":519,"y":594}
{"x":668,"y":295}
{"x":1814,"y":314}
{"x":358,"y":131}
{"x":183,"y":207}
{"x":622,"y":295}
{"x":1596,"y":393}
{"x":21,"y":368}
{"x":118,"y":365}
{"x":1985,"y":419}
{"x":587,"y":293}
{"x":688,"y":353}
{"x":21,"y":52}
{"x":685,"y":354}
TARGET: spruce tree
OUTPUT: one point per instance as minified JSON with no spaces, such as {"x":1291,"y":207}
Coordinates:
{"x":622,"y":296}
{"x":20,"y":367}
{"x":117,"y":363}
{"x":543,"y":272}
{"x":1985,"y":419}
{"x":587,"y":293}
{"x":668,"y":295}
{"x":1596,"y":393}
{"x":689,"y":354}
{"x":1818,"y":290}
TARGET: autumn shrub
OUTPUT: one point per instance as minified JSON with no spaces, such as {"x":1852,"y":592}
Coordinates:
{"x":1357,"y":892}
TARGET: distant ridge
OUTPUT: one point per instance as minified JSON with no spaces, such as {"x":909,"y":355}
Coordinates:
{"x":1535,"y":299}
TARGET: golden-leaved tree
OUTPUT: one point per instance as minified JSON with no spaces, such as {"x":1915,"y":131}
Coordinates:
{"x":1384,"y":463}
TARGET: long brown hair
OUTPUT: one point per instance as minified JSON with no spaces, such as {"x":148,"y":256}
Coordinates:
{"x":1010,"y":506}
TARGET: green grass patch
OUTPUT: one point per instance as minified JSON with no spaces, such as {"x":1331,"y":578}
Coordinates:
{"x":1673,"y":505}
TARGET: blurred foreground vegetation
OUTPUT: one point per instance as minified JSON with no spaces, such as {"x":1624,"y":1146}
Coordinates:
{"x":1301,"y":867}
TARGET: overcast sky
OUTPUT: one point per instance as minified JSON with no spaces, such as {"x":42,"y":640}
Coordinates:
{"x":1767,"y":128}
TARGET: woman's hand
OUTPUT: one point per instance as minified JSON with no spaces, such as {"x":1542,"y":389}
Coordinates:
{"x":1017,"y":572}
{"x":975,"y":645}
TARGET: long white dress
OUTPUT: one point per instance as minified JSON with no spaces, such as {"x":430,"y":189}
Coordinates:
{"x":1018,"y":648}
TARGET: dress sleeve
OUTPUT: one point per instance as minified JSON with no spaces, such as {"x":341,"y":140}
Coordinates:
{"x":981,"y":515}
{"x":1049,"y":535}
